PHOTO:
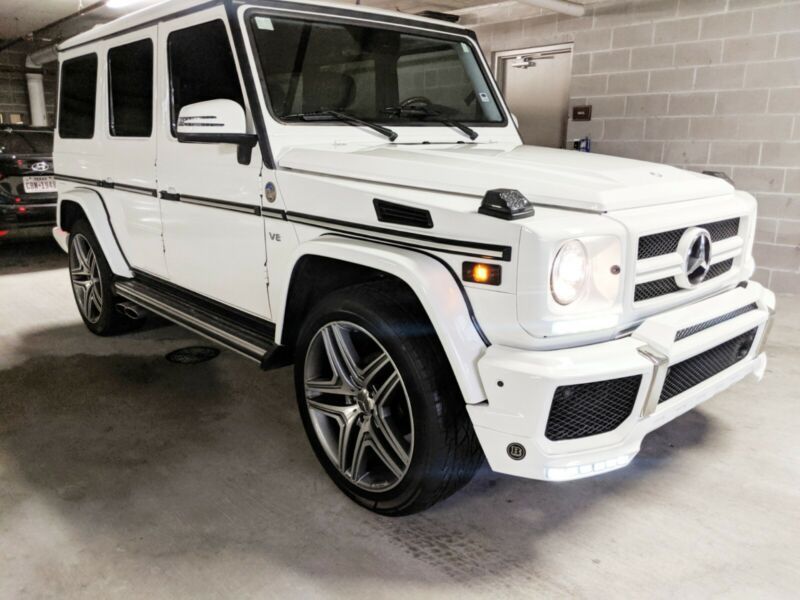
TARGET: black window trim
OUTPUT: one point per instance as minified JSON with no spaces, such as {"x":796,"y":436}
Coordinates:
{"x":337,"y":15}
{"x":154,"y":92}
{"x":239,"y":38}
{"x":173,"y":116}
{"x":60,"y":112}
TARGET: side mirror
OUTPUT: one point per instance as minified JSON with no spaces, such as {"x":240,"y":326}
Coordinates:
{"x":216,"y":122}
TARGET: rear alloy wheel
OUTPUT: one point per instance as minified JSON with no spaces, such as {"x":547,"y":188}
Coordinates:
{"x":92,"y":284}
{"x":359,"y":406}
{"x":87,"y":283}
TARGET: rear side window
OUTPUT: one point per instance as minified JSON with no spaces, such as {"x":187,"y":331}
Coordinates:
{"x":78,"y":94}
{"x":130,"y":89}
{"x":201,"y":67}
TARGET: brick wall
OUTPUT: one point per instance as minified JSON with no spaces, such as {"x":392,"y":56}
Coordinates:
{"x":14,"y":89}
{"x":700,"y":84}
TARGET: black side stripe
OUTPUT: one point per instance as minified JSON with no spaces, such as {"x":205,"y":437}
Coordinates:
{"x":371,"y":232}
{"x":274,"y":213}
{"x":450,"y":270}
{"x":111,"y":226}
{"x":239,"y":207}
{"x":427,"y":242}
{"x":108,"y":185}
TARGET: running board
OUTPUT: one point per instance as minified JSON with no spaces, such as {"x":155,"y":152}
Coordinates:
{"x":251,"y":337}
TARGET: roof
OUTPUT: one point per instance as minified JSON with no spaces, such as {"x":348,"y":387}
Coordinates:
{"x":167,"y":8}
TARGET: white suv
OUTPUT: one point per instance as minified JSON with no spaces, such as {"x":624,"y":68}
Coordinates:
{"x":345,"y":190}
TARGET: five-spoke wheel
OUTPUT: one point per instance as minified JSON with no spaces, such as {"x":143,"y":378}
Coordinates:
{"x":92,"y":283}
{"x":87,"y":282}
{"x":359,"y":406}
{"x":379,"y":401}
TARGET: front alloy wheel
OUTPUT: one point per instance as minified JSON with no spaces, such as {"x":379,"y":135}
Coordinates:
{"x":359,"y":406}
{"x":379,"y":401}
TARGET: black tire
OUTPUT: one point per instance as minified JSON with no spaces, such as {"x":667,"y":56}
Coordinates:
{"x":446,"y":453}
{"x":109,"y":321}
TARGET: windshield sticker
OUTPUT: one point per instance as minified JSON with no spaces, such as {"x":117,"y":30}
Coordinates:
{"x":264,"y":23}
{"x":484,"y":97}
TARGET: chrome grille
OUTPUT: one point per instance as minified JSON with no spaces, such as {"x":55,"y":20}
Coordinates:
{"x":666,"y":242}
{"x":661,"y":287}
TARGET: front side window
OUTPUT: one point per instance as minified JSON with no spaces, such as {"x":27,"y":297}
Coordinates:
{"x":130,"y":89}
{"x":78,"y":94}
{"x":201,"y":67}
{"x":380,"y":75}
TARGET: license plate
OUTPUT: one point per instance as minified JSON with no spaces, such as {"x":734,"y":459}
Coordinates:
{"x":39,"y":183}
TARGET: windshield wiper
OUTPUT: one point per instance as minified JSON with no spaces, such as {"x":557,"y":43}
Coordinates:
{"x":322,"y":115}
{"x":430,"y":115}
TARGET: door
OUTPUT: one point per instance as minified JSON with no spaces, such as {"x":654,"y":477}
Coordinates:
{"x":210,"y":203}
{"x":535,"y":83}
{"x":130,"y":142}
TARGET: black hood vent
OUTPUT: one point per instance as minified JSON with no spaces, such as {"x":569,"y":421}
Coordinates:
{"x":389,"y":212}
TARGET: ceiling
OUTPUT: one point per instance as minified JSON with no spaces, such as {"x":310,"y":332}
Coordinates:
{"x":18,"y":18}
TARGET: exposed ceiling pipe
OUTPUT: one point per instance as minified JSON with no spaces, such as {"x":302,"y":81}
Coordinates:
{"x":35,"y":81}
{"x":55,"y":23}
{"x":560,"y":6}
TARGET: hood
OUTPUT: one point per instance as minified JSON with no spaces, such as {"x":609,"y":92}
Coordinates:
{"x":563,"y":178}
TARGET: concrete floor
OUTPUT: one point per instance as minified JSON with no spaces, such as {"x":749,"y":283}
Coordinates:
{"x":124,"y":475}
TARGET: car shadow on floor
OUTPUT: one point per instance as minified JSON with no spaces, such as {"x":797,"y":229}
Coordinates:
{"x":165,"y":458}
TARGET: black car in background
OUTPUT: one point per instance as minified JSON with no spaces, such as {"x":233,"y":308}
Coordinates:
{"x":27,"y":186}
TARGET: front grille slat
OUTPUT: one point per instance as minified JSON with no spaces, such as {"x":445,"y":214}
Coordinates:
{"x":666,"y":242}
{"x":662,"y":287}
{"x":591,"y":408}
{"x":695,"y":329}
{"x":693,"y":371}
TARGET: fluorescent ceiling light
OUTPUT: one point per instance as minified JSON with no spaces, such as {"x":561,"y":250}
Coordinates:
{"x":124,"y":3}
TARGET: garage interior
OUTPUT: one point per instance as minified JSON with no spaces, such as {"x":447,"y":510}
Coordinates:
{"x":125,"y":475}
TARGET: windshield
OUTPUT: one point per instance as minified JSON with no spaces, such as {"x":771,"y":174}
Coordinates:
{"x":378,"y":75}
{"x":25,"y":141}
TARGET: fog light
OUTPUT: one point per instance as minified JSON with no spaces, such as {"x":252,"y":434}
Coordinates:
{"x":579,"y":471}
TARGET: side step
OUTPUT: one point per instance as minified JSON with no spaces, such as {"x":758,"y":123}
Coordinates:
{"x":245,"y":334}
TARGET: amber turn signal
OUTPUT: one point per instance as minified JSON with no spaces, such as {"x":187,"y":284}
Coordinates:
{"x":482,"y":273}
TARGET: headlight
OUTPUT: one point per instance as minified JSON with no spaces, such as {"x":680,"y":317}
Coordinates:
{"x":569,"y":272}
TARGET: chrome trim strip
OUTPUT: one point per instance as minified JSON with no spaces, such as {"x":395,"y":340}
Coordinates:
{"x":766,"y":330}
{"x":659,"y":375}
{"x":196,"y":325}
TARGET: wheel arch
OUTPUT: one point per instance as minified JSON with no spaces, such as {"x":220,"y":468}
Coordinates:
{"x":89,"y":204}
{"x":331,"y":263}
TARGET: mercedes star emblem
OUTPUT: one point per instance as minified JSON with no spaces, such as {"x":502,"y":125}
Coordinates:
{"x":695,"y":246}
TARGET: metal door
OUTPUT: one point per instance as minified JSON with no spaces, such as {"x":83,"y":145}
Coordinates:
{"x":535,"y":82}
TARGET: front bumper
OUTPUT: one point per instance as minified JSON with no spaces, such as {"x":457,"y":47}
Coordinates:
{"x":515,"y":428}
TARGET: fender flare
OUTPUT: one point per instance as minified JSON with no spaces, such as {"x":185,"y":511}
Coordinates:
{"x":434,"y":285}
{"x":94,"y":207}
